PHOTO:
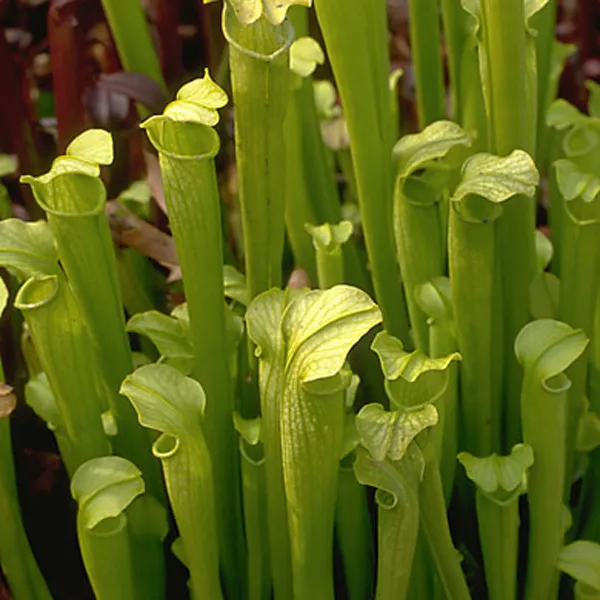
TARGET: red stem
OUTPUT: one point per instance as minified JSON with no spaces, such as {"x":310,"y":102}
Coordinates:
{"x":67,"y":50}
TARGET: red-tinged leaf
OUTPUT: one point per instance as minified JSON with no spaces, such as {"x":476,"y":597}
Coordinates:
{"x":154,"y":180}
{"x":131,"y":231}
{"x":135,"y":86}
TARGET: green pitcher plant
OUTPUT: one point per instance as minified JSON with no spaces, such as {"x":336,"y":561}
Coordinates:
{"x":367,"y":370}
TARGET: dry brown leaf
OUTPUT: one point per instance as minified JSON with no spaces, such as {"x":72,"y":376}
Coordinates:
{"x":154,"y":181}
{"x":8,"y":400}
{"x":131,"y":231}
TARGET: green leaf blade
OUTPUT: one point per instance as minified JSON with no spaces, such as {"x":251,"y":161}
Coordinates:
{"x":165,"y":399}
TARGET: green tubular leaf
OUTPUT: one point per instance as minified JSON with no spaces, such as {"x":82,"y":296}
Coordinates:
{"x":187,"y":147}
{"x":234,"y":284}
{"x":249,"y":429}
{"x":509,"y":78}
{"x":325,"y":100}
{"x":412,"y":378}
{"x":532,"y":7}
{"x":393,"y":81}
{"x":389,"y":434}
{"x":255,"y":509}
{"x":312,"y":194}
{"x":301,"y":131}
{"x":66,"y":356}
{"x":16,"y":559}
{"x":500,"y":480}
{"x":536,"y":58}
{"x":197,"y":103}
{"x":354,"y":534}
{"x":8,"y":164}
{"x":184,"y":131}
{"x":359,"y":58}
{"x":471,"y":267}
{"x":581,"y":139}
{"x":578,"y":212}
{"x":106,"y":489}
{"x":588,"y":432}
{"x":184,"y":112}
{"x":302,"y":344}
{"x":39,"y":396}
{"x":551,"y":56}
{"x":165,"y":400}
{"x":584,"y":592}
{"x":253,"y":485}
{"x":456,"y":35}
{"x":106,"y":554}
{"x":435,"y":300}
{"x":351,"y":392}
{"x":434,"y":522}
{"x":3,"y":296}
{"x":487,"y":182}
{"x":29,"y":352}
{"x":575,"y":182}
{"x":173,"y":404}
{"x":314,"y":165}
{"x":234,"y":329}
{"x":203,"y":92}
{"x":398,"y":516}
{"x":563,"y":115}
{"x":69,"y":191}
{"x":305,"y":55}
{"x":546,"y":348}
{"x":300,"y":198}
{"x":179,"y":551}
{"x":148,"y":525}
{"x":581,"y":561}
{"x":543,"y":250}
{"x":414,"y":381}
{"x":352,"y":521}
{"x":74,"y":198}
{"x":330,"y":237}
{"x":93,"y":145}
{"x":320,"y":328}
{"x":262,"y":321}
{"x":327,"y":242}
{"x":396,"y":362}
{"x":424,"y":172}
{"x":594,"y":98}
{"x":424,"y":149}
{"x":464,"y":20}
{"x":497,"y":178}
{"x":544,"y":295}
{"x":28,"y":248}
{"x":495,"y":475}
{"x":180,"y":312}
{"x":261,"y":80}
{"x":169,"y":334}
{"x":249,"y":11}
{"x":428,"y":70}
{"x":6,"y":209}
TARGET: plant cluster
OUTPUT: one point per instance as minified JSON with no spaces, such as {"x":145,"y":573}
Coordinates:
{"x":423,"y":422}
